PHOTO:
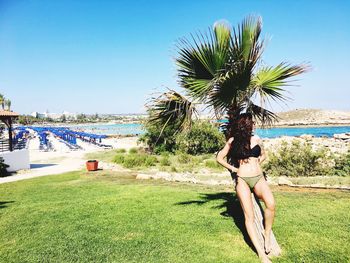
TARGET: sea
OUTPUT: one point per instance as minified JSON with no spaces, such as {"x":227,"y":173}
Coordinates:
{"x":136,"y":129}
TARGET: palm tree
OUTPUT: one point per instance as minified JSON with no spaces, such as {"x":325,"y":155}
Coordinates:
{"x":223,"y":70}
{"x":7,"y":104}
{"x":2,"y":101}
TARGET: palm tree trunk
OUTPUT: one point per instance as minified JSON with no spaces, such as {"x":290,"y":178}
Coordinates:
{"x":259,"y":226}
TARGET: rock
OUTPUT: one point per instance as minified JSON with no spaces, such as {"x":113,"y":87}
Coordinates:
{"x":193,"y":180}
{"x":225,"y":182}
{"x":284,"y":181}
{"x":211,"y":182}
{"x":143,"y":176}
{"x":162,"y":175}
{"x":179,"y":178}
{"x":306,"y":136}
{"x":342,"y":136}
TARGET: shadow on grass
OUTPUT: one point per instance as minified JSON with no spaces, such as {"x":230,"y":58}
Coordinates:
{"x":232,"y":208}
{"x":3,"y":204}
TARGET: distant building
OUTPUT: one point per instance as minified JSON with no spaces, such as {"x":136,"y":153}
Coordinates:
{"x":54,"y":116}
{"x":38,"y":115}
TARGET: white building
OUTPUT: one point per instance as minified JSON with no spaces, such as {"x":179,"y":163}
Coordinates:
{"x":54,"y":116}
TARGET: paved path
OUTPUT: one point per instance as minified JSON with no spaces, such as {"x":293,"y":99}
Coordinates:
{"x":71,"y":161}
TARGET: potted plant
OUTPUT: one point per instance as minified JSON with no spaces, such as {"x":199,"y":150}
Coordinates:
{"x":92,"y":165}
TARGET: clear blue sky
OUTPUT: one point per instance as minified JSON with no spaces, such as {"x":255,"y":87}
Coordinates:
{"x":109,"y":56}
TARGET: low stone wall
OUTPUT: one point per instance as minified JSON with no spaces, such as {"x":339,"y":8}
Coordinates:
{"x":17,"y":160}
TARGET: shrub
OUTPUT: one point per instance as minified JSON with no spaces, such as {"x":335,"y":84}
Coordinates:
{"x":159,"y":142}
{"x":133,"y":150}
{"x":212,"y":164}
{"x":119,"y":158}
{"x":3,"y":168}
{"x":165,"y":161}
{"x":204,"y":137}
{"x":184,"y":158}
{"x":151,"y":160}
{"x":122,"y":150}
{"x":297,"y":159}
{"x":342,"y":165}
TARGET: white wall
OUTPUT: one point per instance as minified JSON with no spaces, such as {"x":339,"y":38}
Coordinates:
{"x":17,"y":160}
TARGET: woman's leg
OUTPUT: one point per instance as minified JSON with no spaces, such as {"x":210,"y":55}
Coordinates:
{"x":263,"y":191}
{"x":244,"y":196}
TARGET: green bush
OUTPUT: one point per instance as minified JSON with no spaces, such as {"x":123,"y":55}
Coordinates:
{"x":119,"y":158}
{"x":204,"y":137}
{"x":133,"y":150}
{"x":122,"y":150}
{"x":151,"y":160}
{"x":3,"y":168}
{"x":158,"y":141}
{"x":212,"y":164}
{"x":184,"y":158}
{"x":297,"y":159}
{"x":165,"y":161}
{"x":342,"y":165}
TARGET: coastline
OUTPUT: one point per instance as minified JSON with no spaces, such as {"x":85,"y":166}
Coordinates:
{"x":283,"y":125}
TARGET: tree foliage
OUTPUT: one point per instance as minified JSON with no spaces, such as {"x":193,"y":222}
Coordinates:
{"x":204,"y":137}
{"x":222,"y":69}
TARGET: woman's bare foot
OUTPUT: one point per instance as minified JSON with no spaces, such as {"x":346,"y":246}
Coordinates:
{"x":264,"y":259}
{"x":267,"y":243}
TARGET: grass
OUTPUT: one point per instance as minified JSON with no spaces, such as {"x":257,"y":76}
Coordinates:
{"x":111,"y":217}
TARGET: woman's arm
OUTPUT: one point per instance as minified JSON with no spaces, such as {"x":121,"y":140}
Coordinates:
{"x":220,"y":158}
{"x":262,"y":156}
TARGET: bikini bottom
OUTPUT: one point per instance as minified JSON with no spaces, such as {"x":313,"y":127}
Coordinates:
{"x":252,"y":180}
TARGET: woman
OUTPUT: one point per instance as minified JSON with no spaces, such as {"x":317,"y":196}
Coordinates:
{"x":245,"y":153}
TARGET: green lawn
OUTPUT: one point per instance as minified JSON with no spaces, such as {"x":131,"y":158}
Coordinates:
{"x":105,"y":217}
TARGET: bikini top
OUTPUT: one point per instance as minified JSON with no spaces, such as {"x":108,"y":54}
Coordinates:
{"x":254,"y":152}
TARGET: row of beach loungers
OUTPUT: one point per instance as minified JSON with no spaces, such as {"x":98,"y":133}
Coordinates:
{"x":62,"y":134}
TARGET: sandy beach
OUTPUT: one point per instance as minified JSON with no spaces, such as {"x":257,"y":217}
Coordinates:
{"x":62,"y":159}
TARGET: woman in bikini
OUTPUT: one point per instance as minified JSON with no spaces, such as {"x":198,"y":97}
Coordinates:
{"x":242,"y":155}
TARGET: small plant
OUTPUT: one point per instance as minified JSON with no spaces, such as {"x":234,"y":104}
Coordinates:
{"x":122,"y":150}
{"x":165,"y":161}
{"x":212,"y":164}
{"x":119,"y":158}
{"x":173,"y":169}
{"x":3,"y":168}
{"x":184,"y":158}
{"x":133,"y":150}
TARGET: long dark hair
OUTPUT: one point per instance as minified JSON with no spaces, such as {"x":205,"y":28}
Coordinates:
{"x":241,"y":133}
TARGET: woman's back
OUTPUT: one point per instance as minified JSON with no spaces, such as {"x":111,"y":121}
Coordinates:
{"x":248,"y":164}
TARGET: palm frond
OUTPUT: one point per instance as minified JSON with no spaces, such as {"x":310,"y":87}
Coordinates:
{"x":201,"y":59}
{"x":265,"y":117}
{"x":246,"y":47}
{"x":171,"y":108}
{"x":232,"y":85}
{"x":268,"y":82}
